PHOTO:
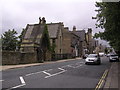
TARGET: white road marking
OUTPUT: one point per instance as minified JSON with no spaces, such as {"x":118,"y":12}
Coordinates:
{"x":70,"y":66}
{"x":1,"y":80}
{"x":37,"y":72}
{"x":33,"y":73}
{"x":63,"y":70}
{"x":64,"y":66}
{"x":22,"y":80}
{"x":55,"y":74}
{"x":48,"y":70}
{"x":47,"y":73}
{"x":78,"y":66}
{"x":16,"y":86}
{"x":74,"y":66}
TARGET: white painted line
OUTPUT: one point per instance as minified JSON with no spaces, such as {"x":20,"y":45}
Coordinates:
{"x":55,"y":74}
{"x":16,"y":86}
{"x":47,"y":73}
{"x":37,"y":72}
{"x":78,"y":66}
{"x":62,"y":69}
{"x":48,"y":70}
{"x":33,"y":73}
{"x":71,"y":66}
{"x":22,"y":80}
{"x":64,"y":66}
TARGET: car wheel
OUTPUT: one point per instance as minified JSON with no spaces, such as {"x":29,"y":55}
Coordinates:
{"x":118,"y":60}
{"x":110,"y":61}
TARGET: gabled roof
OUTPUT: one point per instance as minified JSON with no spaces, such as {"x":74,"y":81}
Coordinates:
{"x":34,"y":33}
{"x":53,"y":29}
{"x":81,"y":34}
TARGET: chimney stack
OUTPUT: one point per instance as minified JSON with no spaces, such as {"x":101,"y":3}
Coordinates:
{"x":74,"y":28}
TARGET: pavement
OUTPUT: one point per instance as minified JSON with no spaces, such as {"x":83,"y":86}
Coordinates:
{"x":112,"y":80}
{"x":5,"y":67}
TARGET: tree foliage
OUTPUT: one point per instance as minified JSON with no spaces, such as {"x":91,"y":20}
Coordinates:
{"x":108,"y":17}
{"x":9,"y":40}
{"x":20,"y":38}
{"x":45,"y":43}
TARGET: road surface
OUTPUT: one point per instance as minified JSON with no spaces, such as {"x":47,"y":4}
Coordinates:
{"x":68,"y":74}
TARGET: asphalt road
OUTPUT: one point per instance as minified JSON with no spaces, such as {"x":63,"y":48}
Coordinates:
{"x":68,"y":74}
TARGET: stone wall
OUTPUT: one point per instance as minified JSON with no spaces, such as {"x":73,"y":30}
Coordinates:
{"x":10,"y":57}
{"x":29,"y":57}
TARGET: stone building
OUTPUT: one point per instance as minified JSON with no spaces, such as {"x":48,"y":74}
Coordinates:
{"x":82,"y":43}
{"x":56,"y":37}
{"x":32,"y":36}
{"x":91,"y":43}
{"x":89,"y":40}
{"x":62,"y":41}
{"x":71,"y":43}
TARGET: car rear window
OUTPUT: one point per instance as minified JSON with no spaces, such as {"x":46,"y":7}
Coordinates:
{"x":92,"y":55}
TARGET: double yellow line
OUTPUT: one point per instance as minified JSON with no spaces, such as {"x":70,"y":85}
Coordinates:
{"x":102,"y":80}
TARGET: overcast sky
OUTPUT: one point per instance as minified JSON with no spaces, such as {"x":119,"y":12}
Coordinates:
{"x":18,"y":13}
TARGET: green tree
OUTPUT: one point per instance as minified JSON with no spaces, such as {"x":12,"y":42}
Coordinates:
{"x":108,"y":17}
{"x":20,"y":38}
{"x":9,"y":40}
{"x":45,"y":43}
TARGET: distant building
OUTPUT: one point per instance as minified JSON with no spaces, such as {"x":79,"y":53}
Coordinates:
{"x":81,"y":35}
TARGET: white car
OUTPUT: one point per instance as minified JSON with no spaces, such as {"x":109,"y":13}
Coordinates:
{"x":101,"y":54}
{"x":108,"y":55}
{"x":113,"y":57}
{"x":93,"y":59}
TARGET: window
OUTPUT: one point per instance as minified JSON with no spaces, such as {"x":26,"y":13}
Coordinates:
{"x":60,"y":50}
{"x":53,"y":41}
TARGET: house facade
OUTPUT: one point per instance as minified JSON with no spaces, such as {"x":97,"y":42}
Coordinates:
{"x":82,"y":40}
{"x":62,"y":41}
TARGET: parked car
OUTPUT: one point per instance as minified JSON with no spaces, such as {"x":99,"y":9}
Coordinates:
{"x":113,"y":57}
{"x":101,"y":54}
{"x":93,"y":59}
{"x":108,"y":55}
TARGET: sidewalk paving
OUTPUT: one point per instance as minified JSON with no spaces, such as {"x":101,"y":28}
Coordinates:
{"x":113,"y":78}
{"x":5,"y":67}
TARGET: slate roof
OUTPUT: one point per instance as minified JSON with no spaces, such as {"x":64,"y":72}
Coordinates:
{"x":81,"y":34}
{"x":53,"y":29}
{"x":28,"y":31}
{"x":34,"y":31}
